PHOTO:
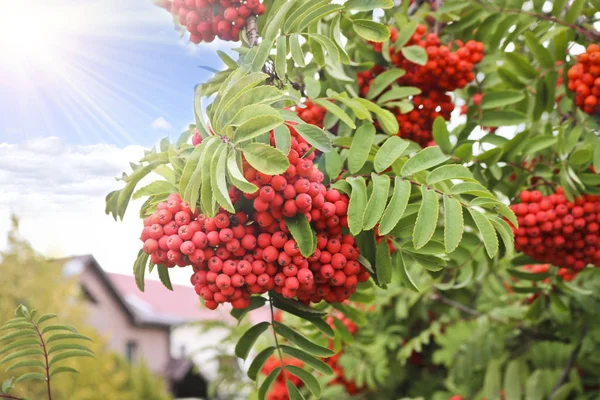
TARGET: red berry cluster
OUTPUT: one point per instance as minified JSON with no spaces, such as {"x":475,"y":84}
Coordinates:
{"x":237,"y":255}
{"x":220,"y":249}
{"x":332,"y":271}
{"x":311,"y":113}
{"x":279,"y":390}
{"x":452,"y":70}
{"x":554,"y":230}
{"x":584,"y":80}
{"x":207,"y":19}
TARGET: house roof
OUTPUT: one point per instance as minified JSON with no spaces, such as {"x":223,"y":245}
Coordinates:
{"x":157,"y":305}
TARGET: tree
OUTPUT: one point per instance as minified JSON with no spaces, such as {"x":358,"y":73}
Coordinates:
{"x":29,"y":277}
{"x":324,"y":180}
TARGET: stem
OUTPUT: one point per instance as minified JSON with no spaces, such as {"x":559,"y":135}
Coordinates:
{"x":275,"y":335}
{"x":252,"y":30}
{"x":45,"y":359}
{"x":8,"y":396}
{"x":565,"y":374}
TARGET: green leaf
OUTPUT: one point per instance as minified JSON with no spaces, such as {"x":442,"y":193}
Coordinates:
{"x":537,"y":144}
{"x":377,"y":201}
{"x":441,"y":134}
{"x":512,"y":381}
{"x":139,"y":269}
{"x":236,"y":177}
{"x":261,"y":56}
{"x":68,"y":346}
{"x":154,"y":188}
{"x":333,"y":164}
{"x":427,"y":218}
{"x":502,"y":118}
{"x":27,"y":364}
{"x":368,"y":5}
{"x":397,"y":92}
{"x":7,"y":385}
{"x":405,"y":33}
{"x":293,"y":392}
{"x":318,"y":14}
{"x":335,"y":110}
{"x":163,"y":275}
{"x":16,"y":325}
{"x":490,"y":240}
{"x":383,"y":263}
{"x":283,"y":138}
{"x":302,"y":233}
{"x":396,"y":206}
{"x":50,"y":328}
{"x":361,"y":146}
{"x":371,"y":30}
{"x":64,"y":336}
{"x":256,"y":302}
{"x":307,"y":359}
{"x":521,"y":65}
{"x":528,"y":276}
{"x":280,"y":60}
{"x":389,"y":152}
{"x":405,"y":277}
{"x":329,"y":46}
{"x":541,"y":54}
{"x":218,"y":178}
{"x":315,"y":136}
{"x":453,"y":223}
{"x":257,"y":126}
{"x":244,"y":345}
{"x":323,"y":326}
{"x":500,"y":99}
{"x":308,"y":379}
{"x":424,"y":159}
{"x":301,"y":341}
{"x":387,"y":120}
{"x":20,"y":333}
{"x":62,"y":370}
{"x":415,"y":54}
{"x":22,"y":353}
{"x":296,"y":50}
{"x":20,"y":343}
{"x":491,"y":383}
{"x":30,"y":377}
{"x":275,"y":22}
{"x":259,"y":361}
{"x":574,"y":11}
{"x":69,"y":354}
{"x":563,"y":392}
{"x":446,"y":172}
{"x":358,"y":202}
{"x":265,"y":158}
{"x":266,"y":385}
{"x":296,"y":308}
{"x":383,"y":80}
{"x":45,"y":318}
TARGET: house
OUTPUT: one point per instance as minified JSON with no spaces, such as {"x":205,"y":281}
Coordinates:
{"x":150,"y":324}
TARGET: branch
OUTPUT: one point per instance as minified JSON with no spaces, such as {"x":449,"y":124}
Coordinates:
{"x":283,"y":369}
{"x":565,"y":374}
{"x":8,"y":396}
{"x":45,"y":359}
{"x":252,"y":30}
{"x":588,"y":33}
{"x":415,"y":6}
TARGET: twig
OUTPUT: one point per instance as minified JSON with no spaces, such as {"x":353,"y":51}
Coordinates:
{"x":565,"y":374}
{"x":415,"y":6}
{"x":275,"y":334}
{"x":8,"y":396}
{"x":45,"y":358}
{"x":591,"y":35}
{"x":252,"y":30}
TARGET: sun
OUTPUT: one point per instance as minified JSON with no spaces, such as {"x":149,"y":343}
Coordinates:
{"x":35,"y":37}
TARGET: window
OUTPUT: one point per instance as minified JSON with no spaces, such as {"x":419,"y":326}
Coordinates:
{"x":131,"y":351}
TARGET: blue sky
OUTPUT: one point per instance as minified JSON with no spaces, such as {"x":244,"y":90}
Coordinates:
{"x":85,"y":86}
{"x":115,"y":77}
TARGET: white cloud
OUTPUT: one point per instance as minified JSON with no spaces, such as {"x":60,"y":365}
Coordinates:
{"x":57,"y":190}
{"x":161,"y":124}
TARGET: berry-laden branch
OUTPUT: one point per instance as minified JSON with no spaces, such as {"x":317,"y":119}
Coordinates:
{"x":43,"y":342}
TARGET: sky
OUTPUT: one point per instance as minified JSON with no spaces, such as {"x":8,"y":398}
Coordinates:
{"x":85,"y":86}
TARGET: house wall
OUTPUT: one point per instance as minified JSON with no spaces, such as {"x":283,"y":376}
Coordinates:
{"x":110,"y":320}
